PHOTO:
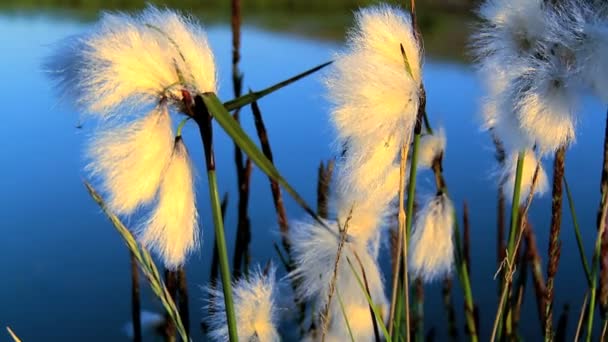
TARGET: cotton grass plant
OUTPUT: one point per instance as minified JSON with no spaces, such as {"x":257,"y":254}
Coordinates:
{"x":138,"y":75}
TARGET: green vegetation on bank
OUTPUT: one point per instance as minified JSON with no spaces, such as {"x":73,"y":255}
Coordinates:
{"x":445,"y":23}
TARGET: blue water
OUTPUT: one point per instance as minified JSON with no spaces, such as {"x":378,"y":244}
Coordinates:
{"x":65,"y":271}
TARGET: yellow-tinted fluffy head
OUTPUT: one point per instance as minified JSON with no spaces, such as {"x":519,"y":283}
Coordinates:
{"x":135,"y":60}
{"x":130,"y":159}
{"x":431,"y":254}
{"x":172,"y":227}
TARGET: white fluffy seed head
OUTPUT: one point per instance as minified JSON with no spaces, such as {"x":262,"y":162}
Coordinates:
{"x":529,"y":167}
{"x":544,"y":101}
{"x":509,"y":29}
{"x":594,"y":58}
{"x":314,"y":251}
{"x":130,"y":159}
{"x":432,"y":146}
{"x":255,"y":306}
{"x":135,"y":61}
{"x":368,"y":206}
{"x":171,"y":230}
{"x":431,"y":255}
{"x":373,"y":93}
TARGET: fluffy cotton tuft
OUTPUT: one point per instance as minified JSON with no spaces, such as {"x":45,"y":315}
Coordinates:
{"x":367,"y":207}
{"x":172,"y":228}
{"x":373,"y":93}
{"x":431,"y":255}
{"x":510,"y":28}
{"x":255,"y":309}
{"x":432,"y":146}
{"x":130,"y":160}
{"x":509,"y":173}
{"x":135,"y":60}
{"x":314,"y":250}
{"x":544,"y":103}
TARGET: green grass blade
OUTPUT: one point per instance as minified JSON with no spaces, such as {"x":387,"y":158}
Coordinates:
{"x":249,"y":98}
{"x":234,"y":130}
{"x":218,"y":223}
{"x":375,"y":309}
{"x":577,"y":233}
{"x":350,"y":332}
{"x":145,"y":262}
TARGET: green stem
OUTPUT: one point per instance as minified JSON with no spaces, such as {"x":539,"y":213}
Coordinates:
{"x":511,"y":243}
{"x":409,"y":218}
{"x":223,"y":254}
{"x":515,"y":204}
{"x":577,"y":233}
{"x":180,"y":126}
{"x":595,"y":261}
{"x":203,"y":119}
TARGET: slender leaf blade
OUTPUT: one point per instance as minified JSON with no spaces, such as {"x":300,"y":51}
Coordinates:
{"x":234,"y":130}
{"x":254,"y":96}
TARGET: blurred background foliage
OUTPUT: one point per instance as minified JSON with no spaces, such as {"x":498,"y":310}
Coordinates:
{"x":444,"y":23}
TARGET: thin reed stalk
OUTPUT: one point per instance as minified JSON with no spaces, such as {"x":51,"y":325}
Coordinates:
{"x":369,"y":294}
{"x":554,"y":238}
{"x":600,"y":255}
{"x":243,"y":232}
{"x":332,"y":284}
{"x":466,"y":246}
{"x":243,"y":167}
{"x":182,"y":292}
{"x":323,"y":184}
{"x":537,"y":272}
{"x":401,"y":249}
{"x":202,"y":117}
{"x":511,"y":255}
{"x":274,"y":185}
{"x":214,"y":258}
{"x":171,"y":283}
{"x":145,"y":262}
{"x":508,"y":266}
{"x":448,"y":304}
{"x":595,"y":266}
{"x":581,"y":317}
{"x":462,"y":263}
{"x":13,"y":335}
{"x":500,"y":217}
{"x":519,"y":290}
{"x":603,"y":258}
{"x":577,"y":233}
{"x":135,"y":299}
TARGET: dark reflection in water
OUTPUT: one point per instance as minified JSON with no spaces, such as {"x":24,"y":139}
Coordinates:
{"x":65,"y":270}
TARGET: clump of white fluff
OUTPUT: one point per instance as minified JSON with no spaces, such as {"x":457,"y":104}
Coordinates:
{"x":537,"y":57}
{"x":431,"y":253}
{"x":530,"y":163}
{"x":172,"y":227}
{"x":373,"y":93}
{"x":130,"y":159}
{"x":432,"y":147}
{"x":510,"y":28}
{"x":135,"y":60}
{"x":255,"y":306}
{"x":314,"y":250}
{"x":375,"y":89}
{"x":544,"y":101}
{"x":367,"y":207}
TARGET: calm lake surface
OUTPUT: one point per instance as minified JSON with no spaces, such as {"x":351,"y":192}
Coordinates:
{"x":65,"y":270}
